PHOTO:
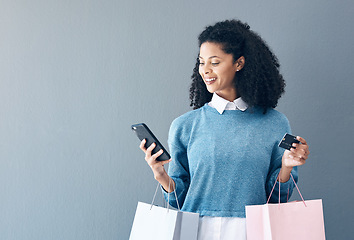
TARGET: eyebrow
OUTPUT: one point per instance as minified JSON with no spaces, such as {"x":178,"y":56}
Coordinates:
{"x":210,"y":57}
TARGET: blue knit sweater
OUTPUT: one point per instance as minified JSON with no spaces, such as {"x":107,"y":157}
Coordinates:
{"x":223,"y":162}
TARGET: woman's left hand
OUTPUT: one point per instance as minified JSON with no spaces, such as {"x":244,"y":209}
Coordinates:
{"x":298,"y":156}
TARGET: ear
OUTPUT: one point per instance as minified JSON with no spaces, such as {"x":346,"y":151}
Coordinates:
{"x":240,"y":62}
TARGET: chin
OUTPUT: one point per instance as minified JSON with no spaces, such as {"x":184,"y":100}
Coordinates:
{"x":211,"y":90}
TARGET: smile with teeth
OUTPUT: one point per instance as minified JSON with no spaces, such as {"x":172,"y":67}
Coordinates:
{"x":210,"y":80}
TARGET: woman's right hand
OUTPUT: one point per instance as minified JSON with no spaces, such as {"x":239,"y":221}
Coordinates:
{"x":156,"y":166}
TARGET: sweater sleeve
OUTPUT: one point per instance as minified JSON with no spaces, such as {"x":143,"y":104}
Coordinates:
{"x":178,"y":168}
{"x":286,"y":188}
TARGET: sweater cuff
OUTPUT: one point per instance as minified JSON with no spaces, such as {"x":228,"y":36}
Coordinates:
{"x":167,"y":193}
{"x":285,"y":184}
{"x":171,"y":197}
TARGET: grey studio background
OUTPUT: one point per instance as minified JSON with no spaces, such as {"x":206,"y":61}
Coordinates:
{"x":74,"y":75}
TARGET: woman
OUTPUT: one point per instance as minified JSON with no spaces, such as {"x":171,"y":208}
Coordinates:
{"x":224,"y":153}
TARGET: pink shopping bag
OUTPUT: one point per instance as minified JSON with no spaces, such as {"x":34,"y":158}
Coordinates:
{"x":291,"y":221}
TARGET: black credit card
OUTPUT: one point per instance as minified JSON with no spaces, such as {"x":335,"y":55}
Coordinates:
{"x":287,"y":141}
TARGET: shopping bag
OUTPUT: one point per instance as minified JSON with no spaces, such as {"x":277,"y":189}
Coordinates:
{"x":158,"y":223}
{"x":291,"y":221}
{"x":186,"y":226}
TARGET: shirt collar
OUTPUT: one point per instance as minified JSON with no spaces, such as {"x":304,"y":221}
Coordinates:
{"x":221,"y":104}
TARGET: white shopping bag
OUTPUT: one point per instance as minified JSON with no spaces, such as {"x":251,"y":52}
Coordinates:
{"x":158,"y":223}
{"x":186,"y":226}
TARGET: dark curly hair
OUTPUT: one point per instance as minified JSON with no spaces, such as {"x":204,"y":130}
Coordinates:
{"x":259,"y":82}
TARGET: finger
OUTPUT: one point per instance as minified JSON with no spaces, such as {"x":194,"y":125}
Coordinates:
{"x":166,"y":161}
{"x":302,"y":140}
{"x":149,"y":151}
{"x":151,"y":147}
{"x":142,"y":145}
{"x":300,"y":148}
{"x":157,"y":154}
{"x":299,"y":152}
{"x":298,"y":157}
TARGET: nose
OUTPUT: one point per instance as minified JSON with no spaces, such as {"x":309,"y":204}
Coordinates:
{"x":205,"y":69}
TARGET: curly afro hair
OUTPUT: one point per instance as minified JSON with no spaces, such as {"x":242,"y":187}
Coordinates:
{"x":259,"y":82}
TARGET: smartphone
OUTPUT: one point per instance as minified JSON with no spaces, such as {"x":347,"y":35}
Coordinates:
{"x":143,"y":132}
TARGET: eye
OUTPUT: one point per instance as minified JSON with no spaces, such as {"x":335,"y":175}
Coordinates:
{"x":215,"y":63}
{"x":201,"y":63}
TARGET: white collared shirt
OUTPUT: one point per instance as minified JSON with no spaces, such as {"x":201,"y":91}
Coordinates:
{"x":221,"y":104}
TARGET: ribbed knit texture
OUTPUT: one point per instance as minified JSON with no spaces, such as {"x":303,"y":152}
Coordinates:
{"x":223,"y":162}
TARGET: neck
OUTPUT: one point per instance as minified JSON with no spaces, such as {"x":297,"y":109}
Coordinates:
{"x":230,"y":95}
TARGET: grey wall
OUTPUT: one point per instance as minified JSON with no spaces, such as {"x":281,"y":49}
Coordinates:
{"x":74,"y":75}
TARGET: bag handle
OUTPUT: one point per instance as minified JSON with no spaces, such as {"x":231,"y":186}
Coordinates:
{"x":168,"y":196}
{"x":288,"y":191}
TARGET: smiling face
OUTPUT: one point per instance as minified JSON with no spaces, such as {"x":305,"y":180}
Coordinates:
{"x":218,"y":70}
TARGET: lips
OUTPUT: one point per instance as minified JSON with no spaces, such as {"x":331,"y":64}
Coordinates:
{"x":209,"y":81}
